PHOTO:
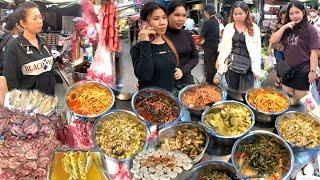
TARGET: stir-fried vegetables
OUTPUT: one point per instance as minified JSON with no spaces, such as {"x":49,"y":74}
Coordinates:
{"x":262,"y":156}
{"x":208,"y":174}
{"x":188,"y":140}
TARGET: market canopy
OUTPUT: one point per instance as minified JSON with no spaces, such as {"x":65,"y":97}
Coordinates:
{"x":63,"y":7}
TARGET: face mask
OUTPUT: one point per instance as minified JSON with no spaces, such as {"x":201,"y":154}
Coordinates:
{"x":313,"y":14}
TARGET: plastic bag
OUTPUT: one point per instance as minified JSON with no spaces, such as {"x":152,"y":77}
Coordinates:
{"x":311,"y":99}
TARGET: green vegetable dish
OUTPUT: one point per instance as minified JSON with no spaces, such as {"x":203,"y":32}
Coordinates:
{"x":229,"y":120}
{"x":263,"y":156}
{"x":208,"y":174}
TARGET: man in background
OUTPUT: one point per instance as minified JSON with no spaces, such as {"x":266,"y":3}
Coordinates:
{"x":210,"y":32}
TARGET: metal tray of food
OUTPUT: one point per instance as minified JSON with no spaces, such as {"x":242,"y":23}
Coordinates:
{"x":92,"y":166}
{"x":31,"y":102}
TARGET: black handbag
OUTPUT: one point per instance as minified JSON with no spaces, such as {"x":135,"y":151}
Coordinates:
{"x":240,"y":64}
{"x":283,"y":69}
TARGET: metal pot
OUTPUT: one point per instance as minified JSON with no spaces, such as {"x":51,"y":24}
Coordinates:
{"x":172,"y":130}
{"x":105,"y":118}
{"x":74,"y":115}
{"x":266,"y":117}
{"x":199,"y":111}
{"x":250,"y":137}
{"x":225,"y":140}
{"x":159,"y":91}
{"x":280,"y":118}
{"x":213,"y":165}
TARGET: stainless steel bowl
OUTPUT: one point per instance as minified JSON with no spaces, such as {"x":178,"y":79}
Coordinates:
{"x":105,"y":118}
{"x":280,"y":118}
{"x":266,"y":117}
{"x":225,"y":140}
{"x":199,"y":111}
{"x":213,"y":165}
{"x":160,"y":91}
{"x":250,"y":137}
{"x":75,"y":115}
{"x":172,"y":130}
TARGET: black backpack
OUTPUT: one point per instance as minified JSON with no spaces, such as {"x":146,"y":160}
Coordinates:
{"x":4,"y":39}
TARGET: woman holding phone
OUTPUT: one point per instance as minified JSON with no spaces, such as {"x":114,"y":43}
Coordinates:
{"x":301,"y":44}
{"x":154,"y":58}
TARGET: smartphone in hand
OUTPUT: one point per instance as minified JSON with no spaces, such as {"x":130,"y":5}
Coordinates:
{"x":145,"y":25}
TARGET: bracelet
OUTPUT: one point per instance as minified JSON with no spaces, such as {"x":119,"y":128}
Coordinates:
{"x":312,"y":71}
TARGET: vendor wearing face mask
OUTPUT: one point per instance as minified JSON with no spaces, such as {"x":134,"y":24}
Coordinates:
{"x":314,"y":19}
{"x":28,"y":63}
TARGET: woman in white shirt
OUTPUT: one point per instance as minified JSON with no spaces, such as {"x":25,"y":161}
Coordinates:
{"x":241,"y":43}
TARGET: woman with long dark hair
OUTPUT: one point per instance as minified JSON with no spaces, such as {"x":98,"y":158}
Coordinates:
{"x":241,"y":46}
{"x":154,"y":58}
{"x":278,"y":47}
{"x":301,"y":44}
{"x":182,"y":40}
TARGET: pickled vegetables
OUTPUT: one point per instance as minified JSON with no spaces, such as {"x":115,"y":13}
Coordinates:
{"x":230,"y":119}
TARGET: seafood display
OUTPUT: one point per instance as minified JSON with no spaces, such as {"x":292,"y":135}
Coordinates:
{"x":31,"y":101}
{"x":230,"y":119}
{"x":199,"y":97}
{"x":189,"y":140}
{"x":17,"y":125}
{"x":76,"y":165}
{"x":120,"y":135}
{"x":300,"y":129}
{"x":268,"y":100}
{"x":28,"y":144}
{"x":89,"y":99}
{"x":156,"y":107}
{"x":160,"y":164}
{"x":263,"y":156}
{"x":208,"y":174}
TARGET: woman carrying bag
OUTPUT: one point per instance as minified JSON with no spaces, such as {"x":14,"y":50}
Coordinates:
{"x":301,"y":45}
{"x":240,"y":55}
